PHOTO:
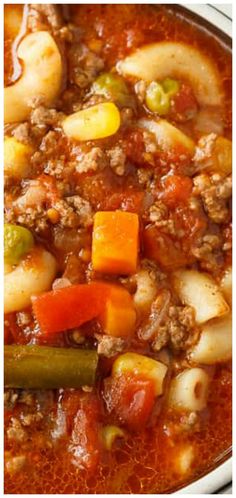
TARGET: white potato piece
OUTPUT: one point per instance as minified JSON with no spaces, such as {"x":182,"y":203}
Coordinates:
{"x":188,"y":391}
{"x":16,"y":158}
{"x":199,"y":290}
{"x":178,"y":60}
{"x":33,"y":275}
{"x":41,"y":78}
{"x":146,"y":291}
{"x":215,"y":343}
{"x":168,"y":136}
{"x":226,"y":285}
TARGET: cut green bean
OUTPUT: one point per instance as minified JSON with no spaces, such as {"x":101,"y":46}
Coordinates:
{"x":42,"y":367}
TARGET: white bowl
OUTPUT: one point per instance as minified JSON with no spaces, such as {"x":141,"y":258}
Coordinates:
{"x":218,"y":480}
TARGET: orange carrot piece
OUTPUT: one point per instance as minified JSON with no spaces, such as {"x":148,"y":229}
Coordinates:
{"x":115,"y":242}
{"x":119,"y":316}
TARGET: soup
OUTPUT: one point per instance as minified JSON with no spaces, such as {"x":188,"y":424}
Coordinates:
{"x":117,"y":236}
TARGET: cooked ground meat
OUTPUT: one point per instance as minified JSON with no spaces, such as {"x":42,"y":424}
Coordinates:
{"x":22,"y":133}
{"x":91,"y":161}
{"x":82,"y":208}
{"x":109,"y":346}
{"x":209,"y":251}
{"x":15,"y":431}
{"x":31,"y":418}
{"x":84,"y":65}
{"x":216,"y":192}
{"x":44,"y":16}
{"x":117,"y":159}
{"x":203,"y":152}
{"x":158,"y":212}
{"x":178,"y":330}
{"x":42,"y":116}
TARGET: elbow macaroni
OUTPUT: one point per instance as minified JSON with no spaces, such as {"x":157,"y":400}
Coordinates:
{"x":215,"y":344}
{"x":42,"y":76}
{"x":33,"y":275}
{"x":188,"y":391}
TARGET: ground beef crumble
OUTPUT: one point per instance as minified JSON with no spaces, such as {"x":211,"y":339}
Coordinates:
{"x":215,"y":192}
{"x":109,"y":346}
{"x":179,"y":330}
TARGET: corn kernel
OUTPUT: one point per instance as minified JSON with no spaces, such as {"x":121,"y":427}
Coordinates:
{"x":98,"y":121}
{"x":16,"y":157}
{"x":141,"y":365}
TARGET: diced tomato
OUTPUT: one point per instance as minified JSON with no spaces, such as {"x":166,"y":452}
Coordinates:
{"x":162,"y":249}
{"x":49,"y":183}
{"x":177,"y":189}
{"x":184,"y":104}
{"x":128,"y":200}
{"x":130,"y":399}
{"x":135,"y":147}
{"x":83,"y":413}
{"x":69,"y":307}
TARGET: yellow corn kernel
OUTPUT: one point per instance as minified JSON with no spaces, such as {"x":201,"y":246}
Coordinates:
{"x":138,"y":364}
{"x":98,"y":121}
{"x":16,"y":157}
{"x":109,"y":434}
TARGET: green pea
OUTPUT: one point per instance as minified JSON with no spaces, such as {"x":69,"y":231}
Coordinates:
{"x":156,"y":99}
{"x":17,"y":242}
{"x":112,"y":87}
{"x":170,"y":86}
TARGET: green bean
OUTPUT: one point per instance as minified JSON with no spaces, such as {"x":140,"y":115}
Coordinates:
{"x":42,"y":367}
{"x":17,"y":242}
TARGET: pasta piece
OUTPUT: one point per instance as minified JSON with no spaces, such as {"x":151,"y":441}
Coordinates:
{"x":199,"y":290}
{"x":184,"y":459}
{"x":168,"y":136}
{"x":178,"y":60}
{"x":42,"y":76}
{"x":226,"y":285}
{"x":33,"y":275}
{"x":188,"y":391}
{"x":215,"y":344}
{"x":146,"y":291}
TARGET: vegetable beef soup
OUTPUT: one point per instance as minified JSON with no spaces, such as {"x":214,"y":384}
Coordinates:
{"x":117,"y":235}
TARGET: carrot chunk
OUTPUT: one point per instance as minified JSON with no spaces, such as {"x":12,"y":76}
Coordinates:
{"x":119,"y":316}
{"x":115,"y":242}
{"x":69,"y":307}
